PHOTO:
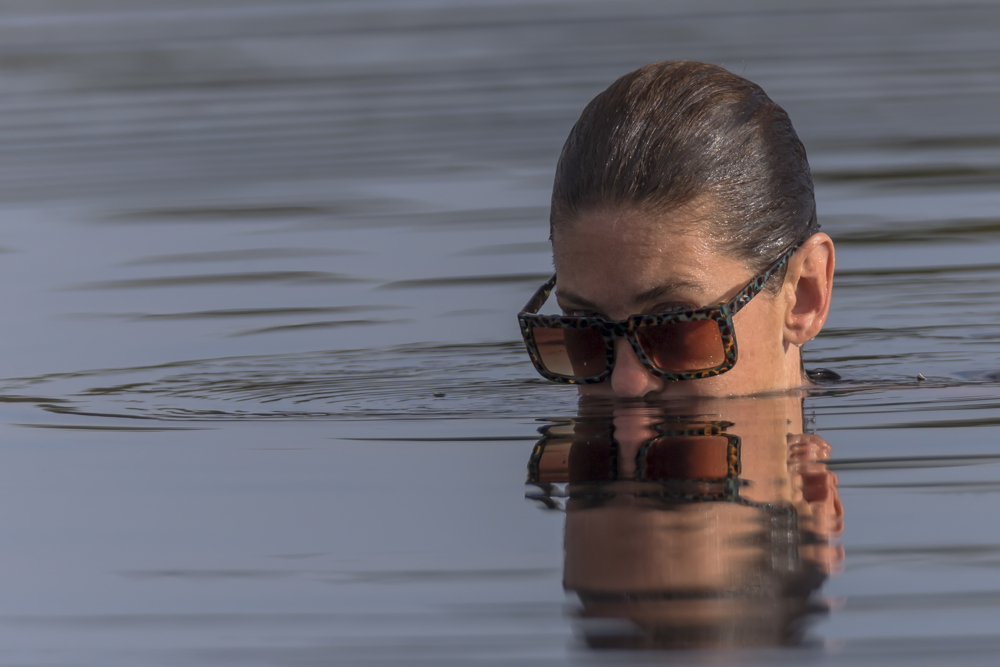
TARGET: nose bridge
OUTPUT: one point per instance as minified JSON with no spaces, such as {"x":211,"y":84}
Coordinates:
{"x":623,"y":350}
{"x":629,"y":378}
{"x":624,"y":333}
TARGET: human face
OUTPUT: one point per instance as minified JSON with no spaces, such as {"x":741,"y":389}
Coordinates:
{"x":615,"y":263}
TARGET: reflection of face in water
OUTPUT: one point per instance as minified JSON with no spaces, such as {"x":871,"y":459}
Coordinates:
{"x":709,"y":524}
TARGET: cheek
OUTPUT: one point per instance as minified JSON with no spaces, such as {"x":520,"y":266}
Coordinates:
{"x":759,"y":332}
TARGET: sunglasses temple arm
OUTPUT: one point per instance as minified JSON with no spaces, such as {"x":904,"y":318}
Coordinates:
{"x":754,"y":287}
{"x":536,"y":301}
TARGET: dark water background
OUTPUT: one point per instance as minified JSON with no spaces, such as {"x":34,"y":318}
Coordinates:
{"x":264,"y":400}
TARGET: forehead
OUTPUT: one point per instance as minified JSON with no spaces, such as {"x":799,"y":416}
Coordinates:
{"x":610,"y":257}
{"x":625,"y":236}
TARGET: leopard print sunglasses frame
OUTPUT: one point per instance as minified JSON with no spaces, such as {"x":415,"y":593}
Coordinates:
{"x":722,"y":314}
{"x":561,"y":437}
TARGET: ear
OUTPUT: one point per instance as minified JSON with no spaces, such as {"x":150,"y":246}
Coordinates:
{"x":808,"y":288}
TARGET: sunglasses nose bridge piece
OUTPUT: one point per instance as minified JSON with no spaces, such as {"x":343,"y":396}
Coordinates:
{"x":621,"y":329}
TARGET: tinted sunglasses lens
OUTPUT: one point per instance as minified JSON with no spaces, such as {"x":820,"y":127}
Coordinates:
{"x":683,"y":346}
{"x":687,"y":457}
{"x":576,"y":461}
{"x":592,"y":460}
{"x":576,"y":353}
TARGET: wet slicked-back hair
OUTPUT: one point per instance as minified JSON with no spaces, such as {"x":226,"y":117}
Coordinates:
{"x":677,"y":132}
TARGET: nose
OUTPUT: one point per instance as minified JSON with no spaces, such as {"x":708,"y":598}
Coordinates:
{"x":629,"y":378}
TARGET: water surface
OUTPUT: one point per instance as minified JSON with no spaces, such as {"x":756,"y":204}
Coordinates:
{"x":263,"y":397}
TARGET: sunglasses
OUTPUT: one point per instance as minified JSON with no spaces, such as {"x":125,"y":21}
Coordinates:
{"x":690,"y":462}
{"x":681,"y":345}
{"x":684,"y":462}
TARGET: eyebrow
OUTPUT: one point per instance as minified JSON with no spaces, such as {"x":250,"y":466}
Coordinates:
{"x":577,"y":300}
{"x":648,"y":295}
{"x":669,"y":288}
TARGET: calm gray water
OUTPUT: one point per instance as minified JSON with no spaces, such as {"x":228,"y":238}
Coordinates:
{"x":263,"y":399}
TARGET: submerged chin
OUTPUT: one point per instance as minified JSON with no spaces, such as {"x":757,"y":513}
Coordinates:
{"x":662,"y":389}
{"x":716,"y":387}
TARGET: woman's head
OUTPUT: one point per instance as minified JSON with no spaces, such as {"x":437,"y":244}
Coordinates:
{"x":681,"y":185}
{"x":682,"y":134}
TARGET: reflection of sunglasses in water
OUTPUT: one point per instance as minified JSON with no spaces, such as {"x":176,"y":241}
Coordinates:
{"x":683,"y":463}
{"x":689,"y":461}
{"x":686,"y":344}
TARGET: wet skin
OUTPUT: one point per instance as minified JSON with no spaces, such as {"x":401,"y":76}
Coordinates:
{"x":628,"y":544}
{"x":617,"y":263}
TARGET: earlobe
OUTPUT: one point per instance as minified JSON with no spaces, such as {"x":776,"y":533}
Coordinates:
{"x":809,"y":288}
